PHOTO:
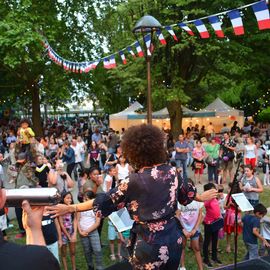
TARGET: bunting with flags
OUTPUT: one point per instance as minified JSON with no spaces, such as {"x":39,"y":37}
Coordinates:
{"x":147,"y":41}
{"x":129,"y":49}
{"x":201,"y":29}
{"x":139,"y":49}
{"x":123,"y":57}
{"x":170,"y":30}
{"x":237,"y":22}
{"x":216,"y":24}
{"x":262,"y":15}
{"x":260,"y":9}
{"x":161,"y":37}
{"x":186,"y":28}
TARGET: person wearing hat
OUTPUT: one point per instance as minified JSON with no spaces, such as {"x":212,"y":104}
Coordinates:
{"x":25,"y":133}
{"x":34,"y":255}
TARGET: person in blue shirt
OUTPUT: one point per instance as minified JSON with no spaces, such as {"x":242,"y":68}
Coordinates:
{"x":68,"y":156}
{"x":181,"y":155}
{"x":251,"y":231}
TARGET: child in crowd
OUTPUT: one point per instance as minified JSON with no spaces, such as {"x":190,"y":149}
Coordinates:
{"x":251,"y":233}
{"x":122,"y":169}
{"x":68,"y":223}
{"x":190,"y":217}
{"x":12,"y":170}
{"x":229,"y":219}
{"x":52,"y":233}
{"x":87,"y":227}
{"x":124,"y":237}
{"x":25,"y":133}
{"x":212,"y":224}
{"x":112,"y":236}
{"x":109,"y":178}
{"x":265,"y":232}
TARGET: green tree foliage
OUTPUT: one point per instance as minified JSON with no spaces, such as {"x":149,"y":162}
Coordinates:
{"x":24,"y":68}
{"x":264,"y":115}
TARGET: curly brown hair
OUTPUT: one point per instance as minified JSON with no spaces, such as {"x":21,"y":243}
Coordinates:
{"x":143,"y":145}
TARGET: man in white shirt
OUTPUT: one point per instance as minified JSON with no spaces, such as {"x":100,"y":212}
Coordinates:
{"x":210,"y":131}
{"x":78,"y":157}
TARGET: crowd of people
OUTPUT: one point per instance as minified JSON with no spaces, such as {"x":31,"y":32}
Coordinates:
{"x":85,"y":162}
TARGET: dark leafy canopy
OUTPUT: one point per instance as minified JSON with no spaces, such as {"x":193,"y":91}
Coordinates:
{"x":192,"y":70}
{"x":68,"y":26}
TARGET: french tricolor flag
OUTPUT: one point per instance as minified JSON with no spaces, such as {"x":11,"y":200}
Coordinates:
{"x":216,"y":24}
{"x":123,"y":57}
{"x":186,"y":28}
{"x":170,"y":30}
{"x":139,"y":49}
{"x":161,"y":37}
{"x":64,"y":65}
{"x":91,"y":65}
{"x":202,"y":29}
{"x":131,"y":51}
{"x":106,"y":63}
{"x":262,"y":15}
{"x":147,"y":40}
{"x":112,"y":61}
{"x":237,"y":22}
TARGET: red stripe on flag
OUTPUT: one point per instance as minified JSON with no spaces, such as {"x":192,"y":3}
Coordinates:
{"x":239,"y":30}
{"x":219,"y":33}
{"x":264,"y":24}
{"x":204,"y":35}
{"x":140,"y":53}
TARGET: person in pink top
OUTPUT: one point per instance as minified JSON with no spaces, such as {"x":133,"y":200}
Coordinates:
{"x":198,"y":155}
{"x":210,"y":233}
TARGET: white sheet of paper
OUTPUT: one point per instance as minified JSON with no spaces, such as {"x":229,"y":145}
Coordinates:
{"x":242,"y":202}
{"x":121,"y":220}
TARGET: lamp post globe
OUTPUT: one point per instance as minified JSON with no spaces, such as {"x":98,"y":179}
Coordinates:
{"x":147,"y":25}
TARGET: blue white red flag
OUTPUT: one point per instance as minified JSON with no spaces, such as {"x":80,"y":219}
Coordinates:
{"x":161,"y":37}
{"x":91,"y":65}
{"x":237,"y":22}
{"x":129,"y":49}
{"x":216,"y":24}
{"x":186,"y":28}
{"x":147,"y":40}
{"x":201,"y":29}
{"x":170,"y":30}
{"x":64,"y":65}
{"x":112,"y":61}
{"x":123,"y":57}
{"x":139,"y":49}
{"x":262,"y":15}
{"x":106,"y":63}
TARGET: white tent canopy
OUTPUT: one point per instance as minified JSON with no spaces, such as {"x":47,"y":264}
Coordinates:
{"x":222,"y":109}
{"x":128,"y":111}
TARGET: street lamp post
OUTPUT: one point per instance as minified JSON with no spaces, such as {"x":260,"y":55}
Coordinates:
{"x":145,"y":26}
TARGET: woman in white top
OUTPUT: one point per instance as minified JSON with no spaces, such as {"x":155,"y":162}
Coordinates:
{"x":87,"y":227}
{"x":250,"y":153}
{"x":123,"y":169}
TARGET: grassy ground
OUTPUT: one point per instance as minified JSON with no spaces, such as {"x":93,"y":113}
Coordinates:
{"x":190,"y":259}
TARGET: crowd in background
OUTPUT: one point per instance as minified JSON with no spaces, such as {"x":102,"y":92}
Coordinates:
{"x":83,"y":158}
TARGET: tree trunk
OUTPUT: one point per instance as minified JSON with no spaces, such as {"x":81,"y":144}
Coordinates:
{"x":36,"y":115}
{"x":175,"y":113}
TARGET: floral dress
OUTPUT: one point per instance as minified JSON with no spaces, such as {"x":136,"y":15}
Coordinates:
{"x":151,"y":198}
{"x":68,"y":224}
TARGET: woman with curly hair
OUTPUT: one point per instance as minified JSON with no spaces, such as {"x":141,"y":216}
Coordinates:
{"x":151,"y":196}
